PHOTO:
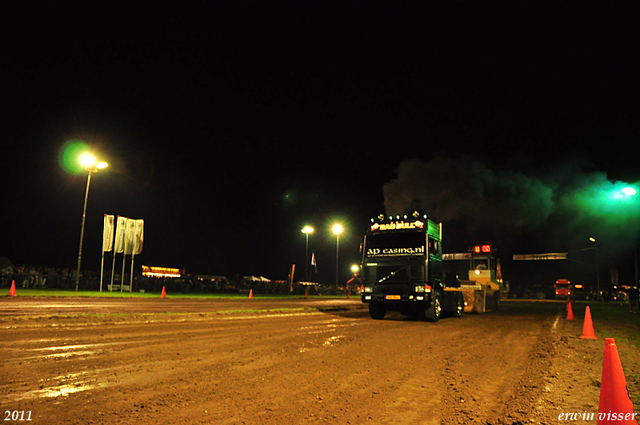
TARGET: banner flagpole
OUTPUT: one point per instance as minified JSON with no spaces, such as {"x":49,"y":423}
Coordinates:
{"x":107,"y":243}
{"x":101,"y":270}
{"x":113,"y":270}
{"x":136,"y":245}
{"x":118,"y":248}
{"x":124,"y":258}
{"x":131,"y":280}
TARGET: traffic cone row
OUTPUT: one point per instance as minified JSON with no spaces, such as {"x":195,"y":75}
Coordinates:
{"x":12,"y":291}
{"x":615,"y":406}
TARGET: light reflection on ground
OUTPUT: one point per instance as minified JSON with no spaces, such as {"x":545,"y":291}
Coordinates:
{"x":63,"y":385}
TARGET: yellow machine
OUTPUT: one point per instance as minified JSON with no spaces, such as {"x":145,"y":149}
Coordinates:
{"x":484,"y":287}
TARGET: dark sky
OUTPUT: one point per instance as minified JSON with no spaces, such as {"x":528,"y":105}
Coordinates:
{"x":228,"y":128}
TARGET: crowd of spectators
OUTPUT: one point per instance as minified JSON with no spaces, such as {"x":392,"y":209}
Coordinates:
{"x":39,"y":277}
{"x":48,"y":277}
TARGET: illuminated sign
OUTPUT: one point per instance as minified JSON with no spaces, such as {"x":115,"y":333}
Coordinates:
{"x":482,"y":249}
{"x":153,"y":271}
{"x":378,"y":252}
{"x":398,"y":225}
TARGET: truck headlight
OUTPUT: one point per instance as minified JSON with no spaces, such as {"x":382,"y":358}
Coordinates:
{"x":368,"y":289}
{"x":419,"y":289}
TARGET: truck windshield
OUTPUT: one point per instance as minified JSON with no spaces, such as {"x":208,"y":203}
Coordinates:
{"x":395,"y":244}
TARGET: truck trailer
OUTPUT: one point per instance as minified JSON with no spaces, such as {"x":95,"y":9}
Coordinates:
{"x":402,"y":269}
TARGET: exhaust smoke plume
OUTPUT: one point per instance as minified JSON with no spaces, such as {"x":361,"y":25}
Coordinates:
{"x":557,"y":211}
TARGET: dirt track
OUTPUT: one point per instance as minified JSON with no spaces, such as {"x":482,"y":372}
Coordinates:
{"x":293,"y":364}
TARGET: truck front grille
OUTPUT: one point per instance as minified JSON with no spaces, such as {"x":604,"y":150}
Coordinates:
{"x":394,"y":274}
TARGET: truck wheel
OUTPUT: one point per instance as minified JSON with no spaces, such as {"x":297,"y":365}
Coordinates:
{"x":377,"y":311}
{"x":432,"y":314}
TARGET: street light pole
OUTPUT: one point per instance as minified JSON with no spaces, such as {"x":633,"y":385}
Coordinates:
{"x":592,"y":239}
{"x":84,"y":214}
{"x":307,"y":230}
{"x":90,"y":164}
{"x":337,"y":229}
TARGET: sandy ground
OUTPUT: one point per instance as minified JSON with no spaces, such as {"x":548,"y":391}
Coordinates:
{"x":128,"y":361}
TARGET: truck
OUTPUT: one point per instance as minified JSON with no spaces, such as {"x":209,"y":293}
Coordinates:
{"x":402,"y":269}
{"x":481,"y":282}
{"x":484,"y":288}
{"x":563,"y":289}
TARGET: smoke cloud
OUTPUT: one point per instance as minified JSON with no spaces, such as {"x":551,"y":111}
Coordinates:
{"x":557,"y":210}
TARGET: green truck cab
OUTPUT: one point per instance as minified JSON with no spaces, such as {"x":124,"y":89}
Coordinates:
{"x":402,"y":269}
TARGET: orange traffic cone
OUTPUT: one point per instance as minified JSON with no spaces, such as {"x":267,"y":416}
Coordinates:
{"x":569,"y":311}
{"x":587,"y":327}
{"x":305,"y":294}
{"x":12,"y":291}
{"x":164,"y":293}
{"x":615,"y":406}
{"x":250,"y":294}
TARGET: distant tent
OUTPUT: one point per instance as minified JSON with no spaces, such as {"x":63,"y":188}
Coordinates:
{"x":256,"y":279}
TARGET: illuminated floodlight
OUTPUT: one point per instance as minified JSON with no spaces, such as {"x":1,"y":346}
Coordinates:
{"x":337,"y":229}
{"x":100,"y":165}
{"x":629,"y":191}
{"x":87,"y":160}
{"x":307,"y":229}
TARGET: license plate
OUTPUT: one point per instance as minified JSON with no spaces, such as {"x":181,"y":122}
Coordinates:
{"x":392,"y":297}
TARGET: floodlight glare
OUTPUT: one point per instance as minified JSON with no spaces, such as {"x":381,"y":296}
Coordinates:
{"x":629,"y":191}
{"x":87,"y":160}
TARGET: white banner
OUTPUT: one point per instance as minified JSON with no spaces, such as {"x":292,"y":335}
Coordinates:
{"x":107,"y":233}
{"x":456,"y":256}
{"x":120,"y":229}
{"x":549,"y":256}
{"x":138,"y":236}
{"x":128,"y":236}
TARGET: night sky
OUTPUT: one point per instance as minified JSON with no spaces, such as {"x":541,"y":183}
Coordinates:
{"x":229,"y":128}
